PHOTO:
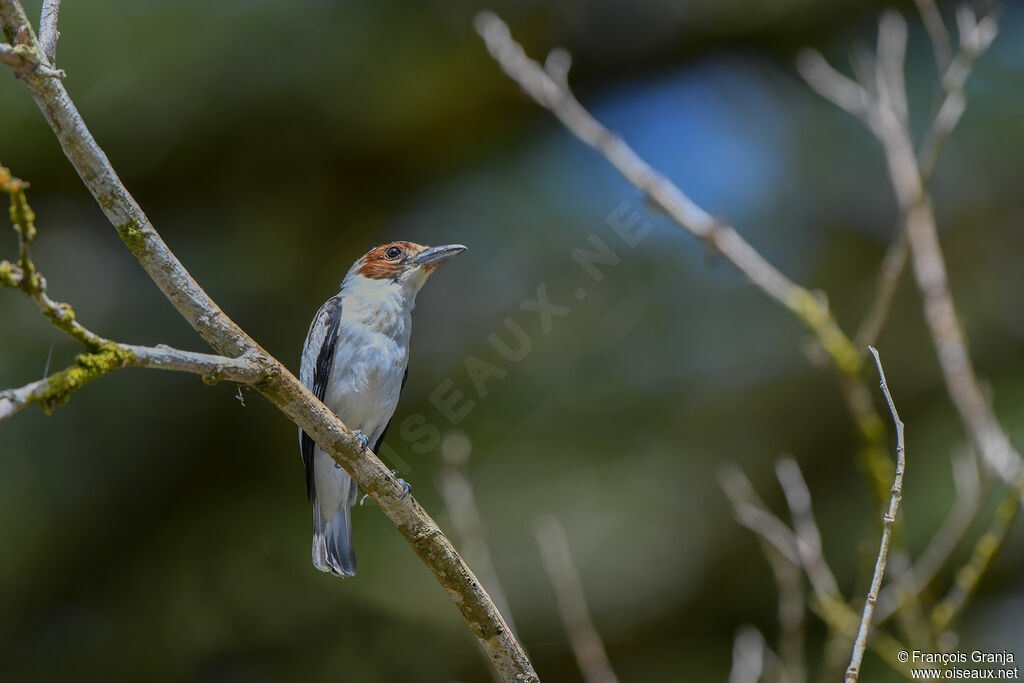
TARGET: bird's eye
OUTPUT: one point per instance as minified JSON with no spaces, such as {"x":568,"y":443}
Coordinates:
{"x":392,"y":253}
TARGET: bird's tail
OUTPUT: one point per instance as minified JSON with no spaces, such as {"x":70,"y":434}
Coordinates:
{"x":333,"y":551}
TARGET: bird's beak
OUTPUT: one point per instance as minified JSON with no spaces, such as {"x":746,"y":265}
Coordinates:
{"x":435,"y":256}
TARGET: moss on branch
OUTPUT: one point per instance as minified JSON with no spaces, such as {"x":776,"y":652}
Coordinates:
{"x":132,"y":236}
{"x":88,"y":366}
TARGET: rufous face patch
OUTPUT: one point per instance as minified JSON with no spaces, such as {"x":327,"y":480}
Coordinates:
{"x":388,"y":260}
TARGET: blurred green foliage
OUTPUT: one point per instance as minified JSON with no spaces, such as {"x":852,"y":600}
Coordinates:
{"x":155,"y":528}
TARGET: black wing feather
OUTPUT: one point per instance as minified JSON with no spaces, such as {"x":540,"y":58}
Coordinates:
{"x":376,"y":446}
{"x":321,"y":375}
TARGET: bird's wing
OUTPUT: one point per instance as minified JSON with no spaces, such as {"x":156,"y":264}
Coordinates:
{"x":315,"y":369}
{"x":380,"y":439}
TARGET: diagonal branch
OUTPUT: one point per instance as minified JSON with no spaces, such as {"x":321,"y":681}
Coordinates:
{"x":828,"y":602}
{"x":975,"y":38}
{"x":549,"y":91}
{"x":548,"y":86}
{"x":276,"y":383}
{"x":889,"y":521}
{"x":970,"y":574}
{"x":942,"y":543}
{"x":572,"y":602}
{"x":57,"y":388}
{"x":928,"y":263}
{"x":48,"y":33}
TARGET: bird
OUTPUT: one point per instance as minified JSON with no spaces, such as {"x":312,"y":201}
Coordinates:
{"x":356,"y":360}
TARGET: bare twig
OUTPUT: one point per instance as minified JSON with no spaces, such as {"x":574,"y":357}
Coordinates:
{"x":889,"y":521}
{"x":942,"y":543}
{"x":854,"y":98}
{"x":828,"y":602}
{"x":884,"y":120}
{"x":748,"y":655}
{"x":887,"y":282}
{"x":751,"y":512}
{"x":791,"y":609}
{"x":549,"y":89}
{"x":798,"y":497}
{"x":48,"y":33}
{"x":276,"y":383}
{"x":470,"y":531}
{"x":572,"y":602}
{"x":976,"y":35}
{"x":970,"y":574}
{"x":933,"y":24}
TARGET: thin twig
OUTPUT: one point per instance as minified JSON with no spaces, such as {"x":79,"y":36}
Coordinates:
{"x":888,"y":522}
{"x":572,"y":602}
{"x":929,"y":265}
{"x":942,"y":543}
{"x":886,"y":284}
{"x":470,"y":530}
{"x":974,"y":40}
{"x":970,"y":574}
{"x":56,"y":388}
{"x":751,"y":512}
{"x":798,"y":497}
{"x":276,"y":383}
{"x":828,"y":603}
{"x":933,"y":24}
{"x":976,"y":35}
{"x":550,"y":90}
{"x":748,"y":655}
{"x":791,"y":609}
{"x":48,"y":33}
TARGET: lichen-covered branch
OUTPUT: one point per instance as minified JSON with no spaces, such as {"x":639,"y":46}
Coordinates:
{"x":275,"y":381}
{"x":888,"y":522}
{"x":970,"y":574}
{"x":57,"y":388}
{"x":102,"y":355}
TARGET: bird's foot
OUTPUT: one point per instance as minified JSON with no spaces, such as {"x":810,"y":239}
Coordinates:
{"x":405,"y":485}
{"x":363,"y":439}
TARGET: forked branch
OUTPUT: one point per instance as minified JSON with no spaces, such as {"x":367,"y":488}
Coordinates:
{"x":274,"y":381}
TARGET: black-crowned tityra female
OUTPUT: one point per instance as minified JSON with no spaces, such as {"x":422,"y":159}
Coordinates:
{"x":356,"y":360}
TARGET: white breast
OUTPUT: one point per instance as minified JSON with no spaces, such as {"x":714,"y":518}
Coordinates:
{"x":371,"y":355}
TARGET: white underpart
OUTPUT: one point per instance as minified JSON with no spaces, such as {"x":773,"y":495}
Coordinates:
{"x":370,"y":358}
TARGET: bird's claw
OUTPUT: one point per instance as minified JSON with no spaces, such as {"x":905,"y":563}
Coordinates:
{"x":405,"y":485}
{"x":363,"y":439}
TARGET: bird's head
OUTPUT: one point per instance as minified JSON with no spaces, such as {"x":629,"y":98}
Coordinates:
{"x":405,"y":264}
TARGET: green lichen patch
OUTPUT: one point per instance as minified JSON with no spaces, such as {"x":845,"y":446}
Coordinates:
{"x":133,"y":236}
{"x":837,"y":345}
{"x":87,"y":367}
{"x":7,"y":275}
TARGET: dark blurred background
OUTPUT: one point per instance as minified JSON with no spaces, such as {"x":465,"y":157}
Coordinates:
{"x":156,"y":529}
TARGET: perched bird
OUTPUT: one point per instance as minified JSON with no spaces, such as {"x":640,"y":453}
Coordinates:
{"x":356,"y":360}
